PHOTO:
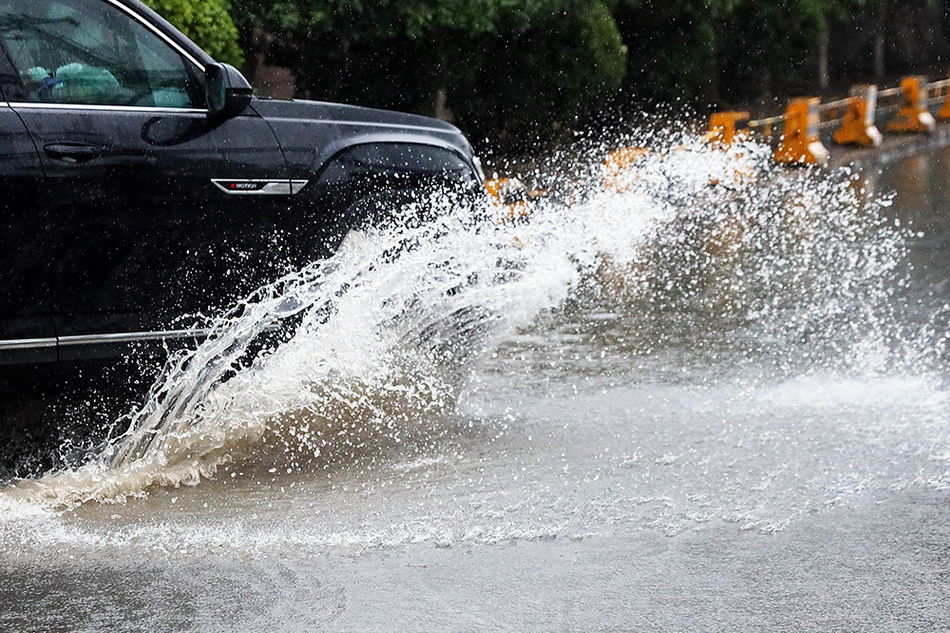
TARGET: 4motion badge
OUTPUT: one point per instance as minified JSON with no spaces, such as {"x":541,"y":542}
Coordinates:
{"x":279,"y":187}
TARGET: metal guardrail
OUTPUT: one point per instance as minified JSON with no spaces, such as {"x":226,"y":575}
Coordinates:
{"x":853,"y":117}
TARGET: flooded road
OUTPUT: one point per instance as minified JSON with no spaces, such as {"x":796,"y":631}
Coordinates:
{"x":714,"y":398}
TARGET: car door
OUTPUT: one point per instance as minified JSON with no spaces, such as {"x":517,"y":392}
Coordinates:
{"x":158,"y":212}
{"x":26,"y":331}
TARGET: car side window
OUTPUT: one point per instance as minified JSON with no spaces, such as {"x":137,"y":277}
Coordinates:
{"x":92,"y":52}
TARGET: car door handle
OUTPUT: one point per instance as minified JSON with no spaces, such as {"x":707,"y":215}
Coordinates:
{"x":72,"y":152}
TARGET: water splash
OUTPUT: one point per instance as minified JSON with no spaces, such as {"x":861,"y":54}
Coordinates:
{"x":716,"y":255}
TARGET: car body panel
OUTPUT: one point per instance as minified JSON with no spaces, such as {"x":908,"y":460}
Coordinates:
{"x":141,"y":232}
{"x":26,"y":331}
{"x":143,"y":221}
{"x":311,"y":133}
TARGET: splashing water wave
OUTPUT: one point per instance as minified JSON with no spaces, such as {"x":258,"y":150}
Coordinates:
{"x":712,"y":252}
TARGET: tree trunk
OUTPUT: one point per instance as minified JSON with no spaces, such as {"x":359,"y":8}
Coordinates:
{"x":442,"y":109}
{"x":879,"y":41}
{"x":765,"y":85}
{"x":437,"y":99}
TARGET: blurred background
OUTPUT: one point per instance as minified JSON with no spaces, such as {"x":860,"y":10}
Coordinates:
{"x":518,"y":76}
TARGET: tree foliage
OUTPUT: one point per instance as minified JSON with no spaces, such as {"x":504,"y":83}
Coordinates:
{"x":207,"y":22}
{"x":503,"y":69}
{"x":520,"y":72}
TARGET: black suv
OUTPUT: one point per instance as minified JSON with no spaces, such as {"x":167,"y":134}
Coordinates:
{"x":143,"y":182}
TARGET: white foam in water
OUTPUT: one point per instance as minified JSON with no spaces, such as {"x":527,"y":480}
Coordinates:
{"x":387,"y":331}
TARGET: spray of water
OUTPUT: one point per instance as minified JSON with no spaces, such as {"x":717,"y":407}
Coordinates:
{"x":713,"y":252}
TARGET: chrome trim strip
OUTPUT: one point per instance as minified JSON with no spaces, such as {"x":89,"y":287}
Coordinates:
{"x":27,"y":343}
{"x":112,"y":108}
{"x":132,"y":337}
{"x":106,"y":339}
{"x":266,"y":187}
{"x":101,"y":339}
{"x":411,"y":127}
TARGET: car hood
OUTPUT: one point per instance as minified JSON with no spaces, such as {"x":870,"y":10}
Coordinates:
{"x":342,"y":113}
{"x":310,"y":132}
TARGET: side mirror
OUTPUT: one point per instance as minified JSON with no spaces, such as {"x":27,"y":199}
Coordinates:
{"x":228,"y":91}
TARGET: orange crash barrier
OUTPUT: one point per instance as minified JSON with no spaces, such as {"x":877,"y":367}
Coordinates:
{"x":800,"y":144}
{"x":858,"y":126}
{"x":913,"y":116}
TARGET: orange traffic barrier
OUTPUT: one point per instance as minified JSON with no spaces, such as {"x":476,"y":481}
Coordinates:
{"x":511,"y":197}
{"x":913,"y":116}
{"x":800,"y":144}
{"x":618,"y":168}
{"x":722,"y":128}
{"x":858,"y":127}
{"x":513,"y":200}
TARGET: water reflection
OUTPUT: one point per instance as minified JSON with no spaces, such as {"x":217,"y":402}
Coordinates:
{"x":631,"y":385}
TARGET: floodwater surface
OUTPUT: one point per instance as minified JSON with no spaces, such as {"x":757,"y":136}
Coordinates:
{"x":712,"y":396}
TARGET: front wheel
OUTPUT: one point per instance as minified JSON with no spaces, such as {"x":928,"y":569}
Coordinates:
{"x":388,"y":209}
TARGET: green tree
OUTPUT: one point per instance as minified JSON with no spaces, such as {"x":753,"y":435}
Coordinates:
{"x":502,"y":69}
{"x":784,"y":47}
{"x":770,"y":48}
{"x":526,"y":87}
{"x":737,"y":50}
{"x":674,"y":47}
{"x":207,"y":23}
{"x":898,"y":36}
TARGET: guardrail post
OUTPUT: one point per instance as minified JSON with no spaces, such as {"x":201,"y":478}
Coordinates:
{"x":944,"y":113}
{"x":858,"y":127}
{"x":722,"y":128}
{"x":913,"y":115}
{"x":800,"y":144}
